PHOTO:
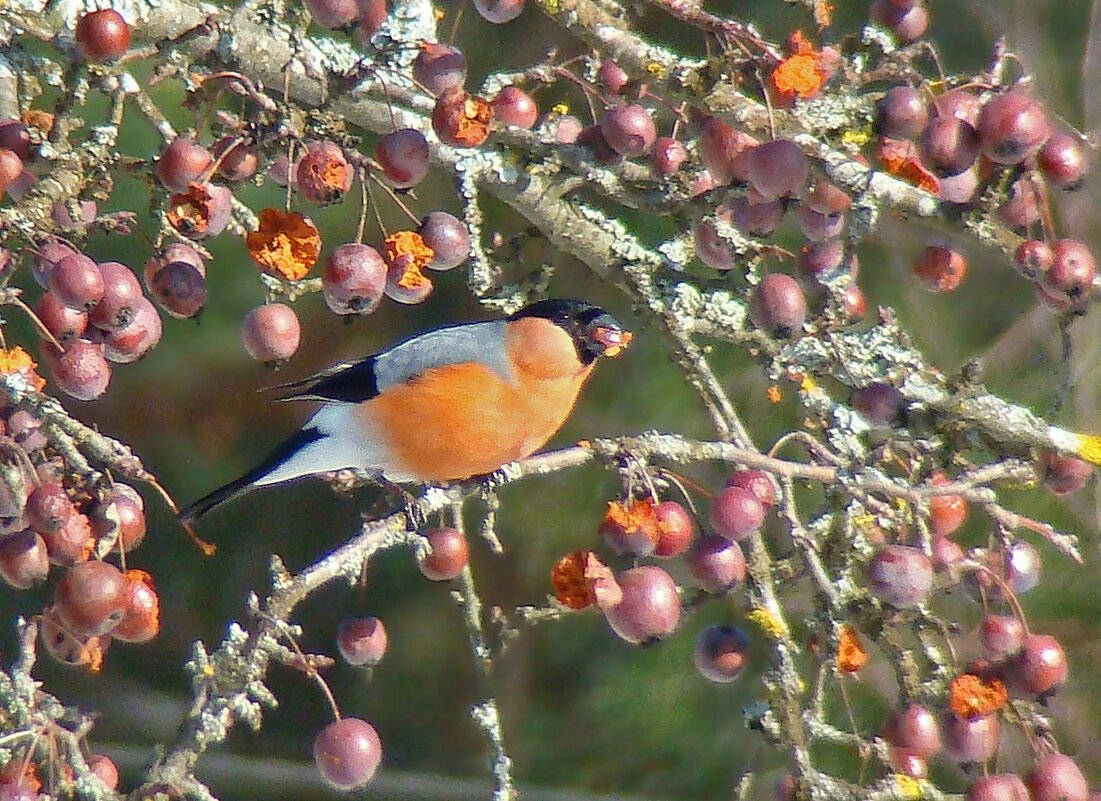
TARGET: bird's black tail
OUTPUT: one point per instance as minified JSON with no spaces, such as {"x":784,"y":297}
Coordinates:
{"x":251,"y":479}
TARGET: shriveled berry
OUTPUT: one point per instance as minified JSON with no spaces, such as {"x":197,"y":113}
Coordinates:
{"x":737,"y":513}
{"x":347,"y":753}
{"x":717,"y":563}
{"x":403,"y":155}
{"x":141,"y":617}
{"x":448,"y":237}
{"x":271,"y":333}
{"x":361,"y":640}
{"x":324,"y":173}
{"x":461,"y":119}
{"x":237,"y":160}
{"x":513,"y":106}
{"x":902,"y":113}
{"x":122,"y":292}
{"x":968,"y":740}
{"x":129,"y":344}
{"x":77,"y":282}
{"x":91,"y":598}
{"x":675,"y":529}
{"x":1013,"y":126}
{"x":120,"y":515}
{"x":721,"y":653}
{"x":450,"y":554}
{"x":779,"y":306}
{"x":48,"y":507}
{"x":182,"y":163}
{"x":629,"y":129}
{"x":102,"y":35}
{"x":63,"y":322}
{"x":777,"y":168}
{"x":1063,"y":474}
{"x":1064,"y":161}
{"x":179,"y":288}
{"x":940,"y":268}
{"x":353,"y":279}
{"x":1057,"y":777}
{"x":650,"y":607}
{"x":900,"y":575}
{"x":81,"y":371}
{"x":24,"y":560}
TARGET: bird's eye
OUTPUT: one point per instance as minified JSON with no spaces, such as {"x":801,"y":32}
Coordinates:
{"x":611,"y":340}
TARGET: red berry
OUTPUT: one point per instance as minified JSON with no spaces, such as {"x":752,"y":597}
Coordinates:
{"x":756,"y":481}
{"x":271,"y":333}
{"x":1039,"y":668}
{"x":513,"y":106}
{"x":940,"y":268}
{"x":946,"y":512}
{"x":71,"y":543}
{"x":182,"y":163}
{"x":104,"y":769}
{"x":902,"y":113}
{"x":1064,"y":161}
{"x":237,"y":160}
{"x":86,"y":212}
{"x":1057,"y":777}
{"x":737,"y":513}
{"x":354,"y":279}
{"x":448,"y":237}
{"x":961,"y":103}
{"x":102,"y":35}
{"x":372,"y":13}
{"x":499,"y":11}
{"x":1063,"y":474}
{"x":908,"y":25}
{"x":1001,"y":635}
{"x":347,"y":753}
{"x":900,"y":575}
{"x":77,"y":282}
{"x":439,"y":67}
{"x":64,"y":322}
{"x":122,"y":293}
{"x":629,"y":129}
{"x":24,"y":560}
{"x":959,"y":189}
{"x":450,"y":554}
{"x":916,"y":729}
{"x":725,"y":151}
{"x":48,"y":508}
{"x":324,"y":173}
{"x":756,"y":217}
{"x":969,"y":740}
{"x":141,"y":617}
{"x":778,"y":168}
{"x":15,"y":137}
{"x":779,"y":306}
{"x":49,"y":253}
{"x":361,"y":640}
{"x":881,"y":404}
{"x":593,"y":138}
{"x":1072,"y":271}
{"x":667,"y":155}
{"x":675,"y":529}
{"x":949,"y":145}
{"x":1033,"y":258}
{"x":91,"y":598}
{"x":721,"y":653}
{"x":129,"y":344}
{"x":80,"y":370}
{"x":567,"y":129}
{"x":333,"y":13}
{"x":817,"y":227}
{"x":717,"y":563}
{"x":998,"y":787}
{"x":1012,"y":126}
{"x":818,"y":259}
{"x":180,"y":289}
{"x":650,"y":607}
{"x":403,"y":155}
{"x":611,"y":76}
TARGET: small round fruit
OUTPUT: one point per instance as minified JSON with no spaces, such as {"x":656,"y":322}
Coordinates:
{"x":353,"y":279}
{"x":499,"y":11}
{"x":1064,"y":161}
{"x":1039,"y":668}
{"x":77,"y":282}
{"x":756,"y":481}
{"x":947,"y":513}
{"x":182,"y":163}
{"x":675,"y":529}
{"x":102,"y":35}
{"x":721,"y":653}
{"x":439,"y":67}
{"x":141,"y":617}
{"x":48,"y":507}
{"x":650,"y":607}
{"x":1001,"y":635}
{"x":324,"y":173}
{"x":121,"y":293}
{"x":1072,"y":271}
{"x":629,"y":129}
{"x":448,"y":237}
{"x":64,"y":322}
{"x":902,"y":113}
{"x":347,"y":753}
{"x":717,"y":563}
{"x":81,"y":371}
{"x":513,"y":106}
{"x":1063,"y":474}
{"x":91,"y":598}
{"x":881,"y":404}
{"x":237,"y":164}
{"x":1057,"y":777}
{"x":900,"y":575}
{"x":949,"y":145}
{"x":968,"y":740}
{"x":24,"y":560}
{"x":908,"y":25}
{"x":779,"y":306}
{"x":403,"y":155}
{"x":450,"y":554}
{"x":725,"y":151}
{"x":271,"y":333}
{"x":180,"y":289}
{"x":712,"y":249}
{"x":777,"y":168}
{"x":737,"y":513}
{"x":940,"y":268}
{"x":361,"y":640}
{"x":1012,"y":126}
{"x":333,"y":13}
{"x":916,"y":729}
{"x":126,"y":345}
{"x":998,"y":787}
{"x":667,"y":155}
{"x":611,"y":76}
{"x":71,"y":543}
{"x":1033,"y":258}
{"x":104,"y":769}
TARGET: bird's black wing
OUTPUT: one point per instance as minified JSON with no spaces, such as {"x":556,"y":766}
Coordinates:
{"x":355,"y":382}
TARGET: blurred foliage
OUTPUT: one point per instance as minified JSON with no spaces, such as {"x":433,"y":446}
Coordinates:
{"x":581,"y":708}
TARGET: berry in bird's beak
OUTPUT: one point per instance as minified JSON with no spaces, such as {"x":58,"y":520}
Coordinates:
{"x":612,"y":339}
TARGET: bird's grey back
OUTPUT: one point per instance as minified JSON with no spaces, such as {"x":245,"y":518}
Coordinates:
{"x":471,"y":342}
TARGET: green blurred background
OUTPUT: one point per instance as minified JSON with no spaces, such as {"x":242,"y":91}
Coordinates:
{"x":583,"y":712}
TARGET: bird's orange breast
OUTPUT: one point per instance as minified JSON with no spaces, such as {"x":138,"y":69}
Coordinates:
{"x":464,"y":420}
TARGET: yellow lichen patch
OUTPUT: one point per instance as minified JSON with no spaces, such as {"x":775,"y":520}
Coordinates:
{"x":772,"y":625}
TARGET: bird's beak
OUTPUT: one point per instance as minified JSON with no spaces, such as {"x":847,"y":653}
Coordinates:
{"x":612,"y":339}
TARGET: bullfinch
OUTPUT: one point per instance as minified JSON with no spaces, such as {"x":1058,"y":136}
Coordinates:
{"x":448,"y":404}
